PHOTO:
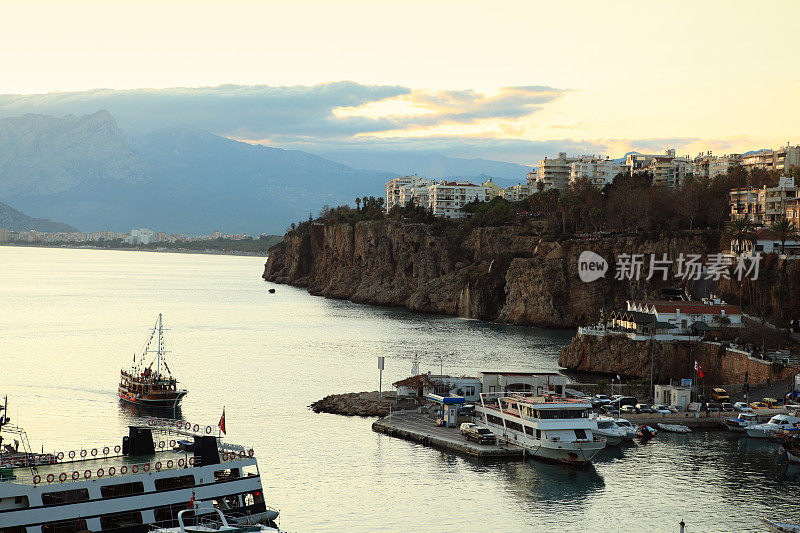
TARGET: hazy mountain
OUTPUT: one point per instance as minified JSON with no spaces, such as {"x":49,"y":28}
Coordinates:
{"x":14,"y":220}
{"x":183,"y":179}
{"x":433,"y":165}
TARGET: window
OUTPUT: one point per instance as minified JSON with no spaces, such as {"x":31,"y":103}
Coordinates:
{"x":539,"y":434}
{"x":66,"y":526}
{"x":168,"y":512}
{"x":122,"y":489}
{"x":168,"y":483}
{"x":126,"y":519}
{"x":580,"y":434}
{"x":65,"y":496}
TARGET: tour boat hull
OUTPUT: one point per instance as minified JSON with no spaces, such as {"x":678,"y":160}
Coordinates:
{"x":163,"y":401}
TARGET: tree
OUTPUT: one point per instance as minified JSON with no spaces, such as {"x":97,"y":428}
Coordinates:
{"x":784,"y":231}
{"x":358,"y":204}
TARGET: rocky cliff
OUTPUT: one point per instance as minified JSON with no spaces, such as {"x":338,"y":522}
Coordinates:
{"x":616,"y":354}
{"x":493,"y":273}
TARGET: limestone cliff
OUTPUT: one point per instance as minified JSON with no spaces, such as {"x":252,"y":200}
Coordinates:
{"x":492,"y":273}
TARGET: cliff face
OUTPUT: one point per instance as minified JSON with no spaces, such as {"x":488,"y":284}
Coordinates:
{"x":671,"y":360}
{"x":495,"y":273}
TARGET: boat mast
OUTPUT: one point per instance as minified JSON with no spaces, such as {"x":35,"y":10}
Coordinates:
{"x":160,"y":344}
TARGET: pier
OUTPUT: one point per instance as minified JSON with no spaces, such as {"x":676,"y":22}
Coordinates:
{"x":420,"y":428}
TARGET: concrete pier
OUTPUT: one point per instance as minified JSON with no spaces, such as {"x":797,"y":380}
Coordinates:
{"x":419,"y":428}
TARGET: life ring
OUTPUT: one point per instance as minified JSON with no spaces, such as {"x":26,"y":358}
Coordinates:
{"x":60,"y":456}
{"x":150,"y":422}
{"x":180,"y":463}
{"x":158,"y":465}
{"x":161,"y":443}
{"x":134,"y":469}
{"x":191,"y":461}
{"x":250,"y":452}
{"x":106,"y":449}
{"x":170,"y":463}
{"x":208,"y":430}
{"x":76,"y":475}
{"x":83,"y":453}
{"x":187,"y":425}
{"x":100,"y":472}
{"x":196,"y":428}
{"x":242,"y":454}
{"x":36,"y":479}
{"x":87,"y":474}
{"x":117,"y":448}
{"x":94,"y":452}
{"x":172,"y":443}
{"x":146,"y":467}
{"x":50,"y":478}
{"x":224,"y":456}
{"x":123,"y":470}
{"x":112,"y":471}
{"x":62,"y":477}
{"x":71,"y":454}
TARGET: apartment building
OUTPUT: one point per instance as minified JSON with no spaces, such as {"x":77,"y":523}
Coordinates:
{"x":446,"y":198}
{"x":780,"y":159}
{"x":518,"y":192}
{"x":669,"y":171}
{"x":554,"y":173}
{"x":598,"y":171}
{"x":640,"y":162}
{"x":492,"y":189}
{"x":763,"y":206}
{"x":5,"y":235}
{"x":400,"y":191}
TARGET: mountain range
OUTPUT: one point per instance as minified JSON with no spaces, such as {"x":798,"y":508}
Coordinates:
{"x":14,"y":220}
{"x":87,"y":172}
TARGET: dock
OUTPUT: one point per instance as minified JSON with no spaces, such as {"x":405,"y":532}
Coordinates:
{"x":420,"y":428}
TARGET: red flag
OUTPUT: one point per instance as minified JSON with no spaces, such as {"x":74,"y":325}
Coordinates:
{"x":222,"y":422}
{"x":191,"y":502}
{"x":698,"y":370}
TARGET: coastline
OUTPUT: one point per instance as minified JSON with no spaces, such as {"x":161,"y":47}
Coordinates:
{"x":134,"y":249}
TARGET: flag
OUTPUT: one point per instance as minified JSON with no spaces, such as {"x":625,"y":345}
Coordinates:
{"x":222,"y":422}
{"x":698,"y":370}
{"x":191,"y":502}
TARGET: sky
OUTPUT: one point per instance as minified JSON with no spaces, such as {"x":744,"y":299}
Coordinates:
{"x":503,"y":80}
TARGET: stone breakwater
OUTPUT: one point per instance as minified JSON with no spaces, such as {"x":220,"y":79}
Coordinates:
{"x":352,"y":404}
{"x":499,"y":274}
{"x":617,"y":354}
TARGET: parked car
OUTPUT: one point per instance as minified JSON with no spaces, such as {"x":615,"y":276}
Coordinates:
{"x":662,"y":409}
{"x":600,"y":400}
{"x":644,"y":408}
{"x":772,"y":403}
{"x":480,"y":434}
{"x":720,"y":395}
{"x":624,"y":400}
{"x":675,"y":408}
{"x":608,"y":409}
{"x":467,"y":426}
{"x":466,"y":410}
{"x":758,"y":405}
{"x":712,"y":408}
{"x":629,"y":410}
{"x":727,"y":407}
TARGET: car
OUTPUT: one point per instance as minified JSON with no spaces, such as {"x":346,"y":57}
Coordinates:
{"x":629,"y":410}
{"x":624,"y":400}
{"x":712,"y":408}
{"x":466,"y":410}
{"x":720,"y":395}
{"x":480,"y":434}
{"x":644,"y":408}
{"x":467,"y":426}
{"x":608,"y":409}
{"x":742,"y":407}
{"x":772,"y":403}
{"x":675,"y":408}
{"x":727,"y":407}
{"x":662,"y":409}
{"x":600,"y":399}
{"x":758,"y":405}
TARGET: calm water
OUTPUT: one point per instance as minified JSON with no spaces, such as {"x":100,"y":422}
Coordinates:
{"x":70,"y":318}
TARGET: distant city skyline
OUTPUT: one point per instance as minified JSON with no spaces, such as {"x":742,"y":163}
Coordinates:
{"x":519,"y":80}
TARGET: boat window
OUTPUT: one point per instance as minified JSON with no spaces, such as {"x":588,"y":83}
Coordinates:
{"x":168,"y":512}
{"x":514,"y":425}
{"x":122,"y":489}
{"x":226,"y":475}
{"x":169,"y":483}
{"x":126,"y":519}
{"x":64,"y":526}
{"x":65,"y":496}
{"x":604,"y":425}
{"x":227,"y":502}
{"x":252,"y":498}
{"x":539,"y":434}
{"x":580,"y":434}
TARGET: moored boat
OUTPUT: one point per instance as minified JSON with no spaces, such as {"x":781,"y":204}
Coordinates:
{"x":210,"y":520}
{"x":547,"y":427}
{"x":741,"y":422}
{"x":776,"y":423}
{"x":148,"y":386}
{"x":674,"y":428}
{"x":608,"y":428}
{"x":781,"y":527}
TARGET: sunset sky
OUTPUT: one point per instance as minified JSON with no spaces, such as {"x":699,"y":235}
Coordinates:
{"x":511,"y":79}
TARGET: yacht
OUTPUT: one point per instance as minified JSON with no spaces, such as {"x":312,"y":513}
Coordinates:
{"x":211,"y":520}
{"x":742,"y":422}
{"x":614,"y":434}
{"x":630,"y":429}
{"x":147,"y":479}
{"x":548,"y":427}
{"x":775,"y":424}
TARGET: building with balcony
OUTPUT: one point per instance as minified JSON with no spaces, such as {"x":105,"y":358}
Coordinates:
{"x":598,"y":171}
{"x":518,"y":192}
{"x":763,"y":206}
{"x":780,"y":159}
{"x":554,"y":173}
{"x":400,"y":191}
{"x":446,"y":198}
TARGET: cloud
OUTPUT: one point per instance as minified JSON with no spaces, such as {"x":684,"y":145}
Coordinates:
{"x":287,"y":112}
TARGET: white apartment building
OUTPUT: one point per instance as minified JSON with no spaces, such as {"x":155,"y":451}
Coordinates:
{"x":599,"y":172}
{"x":669,"y":171}
{"x":720,"y":165}
{"x":640,"y":162}
{"x":518,"y":192}
{"x":446,"y":198}
{"x":141,"y":236}
{"x":763,"y":206}
{"x":400,"y":191}
{"x":780,"y":159}
{"x":554,"y":173}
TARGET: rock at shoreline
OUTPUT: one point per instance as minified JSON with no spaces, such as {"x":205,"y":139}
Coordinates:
{"x":354,"y":404}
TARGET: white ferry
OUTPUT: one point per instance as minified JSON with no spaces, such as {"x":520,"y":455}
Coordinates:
{"x":162,"y":467}
{"x":549,"y":427}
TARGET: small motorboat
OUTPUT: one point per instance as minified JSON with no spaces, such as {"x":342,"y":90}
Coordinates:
{"x":646,"y":432}
{"x":199,"y":521}
{"x":271,"y":291}
{"x":742,"y":422}
{"x":781,"y":527}
{"x":674,"y":428}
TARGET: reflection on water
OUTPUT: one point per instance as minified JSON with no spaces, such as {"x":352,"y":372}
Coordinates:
{"x":71,"y":318}
{"x":130,"y":413}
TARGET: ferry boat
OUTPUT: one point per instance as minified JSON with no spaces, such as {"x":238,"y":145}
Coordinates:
{"x":146,"y":386}
{"x":741,"y":422}
{"x":548,"y":427}
{"x":145,"y":480}
{"x":775,"y":424}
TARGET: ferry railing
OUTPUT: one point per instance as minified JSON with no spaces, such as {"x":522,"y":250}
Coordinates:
{"x":178,"y":427}
{"x":82,"y":454}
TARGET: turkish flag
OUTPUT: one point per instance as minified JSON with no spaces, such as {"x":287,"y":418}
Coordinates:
{"x":222,"y":422}
{"x":698,"y":370}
